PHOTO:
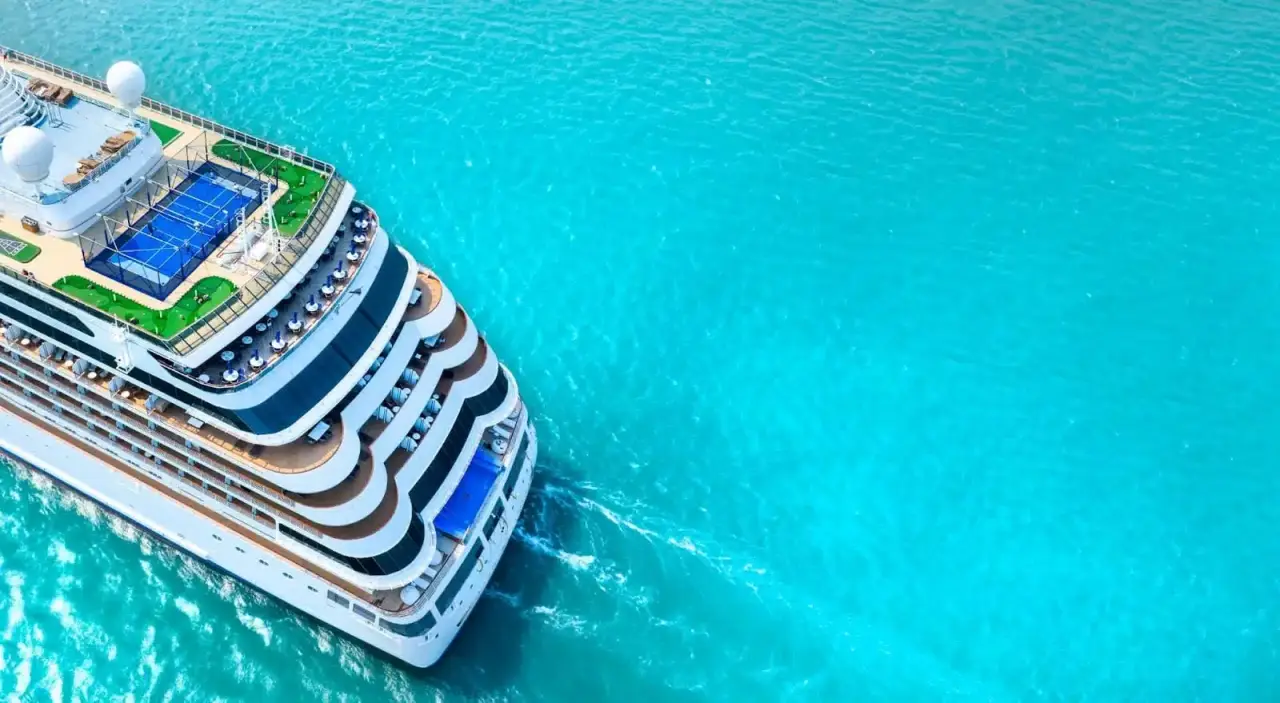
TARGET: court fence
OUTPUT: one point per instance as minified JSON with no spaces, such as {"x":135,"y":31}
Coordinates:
{"x":220,"y":317}
{"x":141,"y":250}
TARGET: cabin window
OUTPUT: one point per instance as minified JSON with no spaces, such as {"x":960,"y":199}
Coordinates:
{"x":494,"y":517}
{"x":410,"y":629}
{"x":459,"y":577}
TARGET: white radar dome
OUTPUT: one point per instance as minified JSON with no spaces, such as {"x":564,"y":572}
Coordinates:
{"x":127,"y":82}
{"x":28,"y":152}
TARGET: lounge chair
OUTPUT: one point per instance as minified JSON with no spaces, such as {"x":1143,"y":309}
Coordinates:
{"x":63,"y":97}
{"x":121,"y":139}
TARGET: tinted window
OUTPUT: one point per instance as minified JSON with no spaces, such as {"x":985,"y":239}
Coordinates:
{"x":459,"y":577}
{"x":389,"y":562}
{"x":494,"y":517}
{"x":300,"y":394}
{"x":45,"y":308}
{"x":319,"y":377}
{"x":416,"y":628}
{"x":513,"y":474}
{"x":438,"y":470}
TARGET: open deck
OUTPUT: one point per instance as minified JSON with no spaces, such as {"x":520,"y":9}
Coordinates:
{"x":295,"y":457}
{"x":180,"y":319}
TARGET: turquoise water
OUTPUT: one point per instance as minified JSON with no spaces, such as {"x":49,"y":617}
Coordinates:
{"x":878,"y":353}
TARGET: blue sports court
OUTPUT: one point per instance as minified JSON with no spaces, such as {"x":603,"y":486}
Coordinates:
{"x":172,"y":238}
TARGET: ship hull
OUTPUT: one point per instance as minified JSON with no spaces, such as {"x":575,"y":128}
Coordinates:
{"x":226,"y":551}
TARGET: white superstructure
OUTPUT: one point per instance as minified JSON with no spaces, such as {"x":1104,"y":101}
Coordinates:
{"x":209,"y":335}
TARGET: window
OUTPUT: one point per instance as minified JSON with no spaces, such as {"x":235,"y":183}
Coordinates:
{"x":417,"y":628}
{"x":513,"y":475}
{"x":494,"y":517}
{"x":335,"y":598}
{"x":305,"y":390}
{"x":362,"y":613}
{"x":389,"y":562}
{"x":285,"y":406}
{"x":459,"y":577}
{"x":442,"y":463}
{"x":263,"y":562}
{"x":45,"y":308}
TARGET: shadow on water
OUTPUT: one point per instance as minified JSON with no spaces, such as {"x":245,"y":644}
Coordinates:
{"x":486,"y":656}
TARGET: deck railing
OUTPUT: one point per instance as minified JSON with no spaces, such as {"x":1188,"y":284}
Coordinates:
{"x":249,"y":293}
{"x":220,"y":317}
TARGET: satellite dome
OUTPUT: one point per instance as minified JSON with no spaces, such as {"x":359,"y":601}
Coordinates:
{"x":127,"y":82}
{"x":28,"y":152}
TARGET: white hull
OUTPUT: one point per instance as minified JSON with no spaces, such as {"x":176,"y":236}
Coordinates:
{"x":245,"y":559}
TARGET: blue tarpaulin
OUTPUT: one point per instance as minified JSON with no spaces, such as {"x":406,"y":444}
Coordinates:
{"x":460,"y":512}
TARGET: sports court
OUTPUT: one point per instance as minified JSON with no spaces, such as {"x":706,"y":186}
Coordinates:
{"x":168,"y":241}
{"x":11,"y":247}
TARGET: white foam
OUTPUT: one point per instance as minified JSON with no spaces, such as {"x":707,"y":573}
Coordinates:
{"x":148,"y":666}
{"x":80,"y":680}
{"x":188,"y":608}
{"x":354,"y":660}
{"x":22,"y":672}
{"x":618,"y":519}
{"x":53,"y":682}
{"x":560,"y":620}
{"x":508,"y":598}
{"x":16,"y":613}
{"x":253,"y":622}
{"x":580,"y":562}
{"x":60,"y":607}
{"x":59,"y":551}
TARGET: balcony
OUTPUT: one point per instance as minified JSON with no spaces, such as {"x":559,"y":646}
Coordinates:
{"x":428,"y":291}
{"x":296,"y":457}
{"x":377,"y":423}
{"x":283,"y":329}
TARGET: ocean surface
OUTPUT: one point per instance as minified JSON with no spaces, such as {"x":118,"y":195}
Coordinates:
{"x":881,"y":351}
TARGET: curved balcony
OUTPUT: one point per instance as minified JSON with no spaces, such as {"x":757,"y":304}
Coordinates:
{"x":275,"y":336}
{"x":355,"y":498}
{"x":430,"y":292}
{"x":395,"y":565}
{"x":385,"y":525}
{"x":458,"y":339}
{"x":481,"y":372}
{"x":441,"y":476}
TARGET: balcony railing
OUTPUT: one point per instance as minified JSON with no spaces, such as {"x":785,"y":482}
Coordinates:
{"x":220,"y":317}
{"x":231,"y":309}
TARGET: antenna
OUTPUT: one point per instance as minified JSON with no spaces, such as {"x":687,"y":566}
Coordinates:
{"x":120,"y":335}
{"x":270,"y":228}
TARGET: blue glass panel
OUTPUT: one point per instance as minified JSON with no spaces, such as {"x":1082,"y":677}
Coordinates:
{"x":457,"y":515}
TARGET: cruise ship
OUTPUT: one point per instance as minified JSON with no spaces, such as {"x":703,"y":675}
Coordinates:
{"x":208,"y":334}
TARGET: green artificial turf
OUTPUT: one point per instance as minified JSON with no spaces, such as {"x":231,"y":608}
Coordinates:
{"x":304,"y":184}
{"x":205,"y":295}
{"x":165,"y":132}
{"x":22,"y":255}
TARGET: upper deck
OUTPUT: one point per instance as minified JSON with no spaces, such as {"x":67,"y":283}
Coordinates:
{"x":174,"y":300}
